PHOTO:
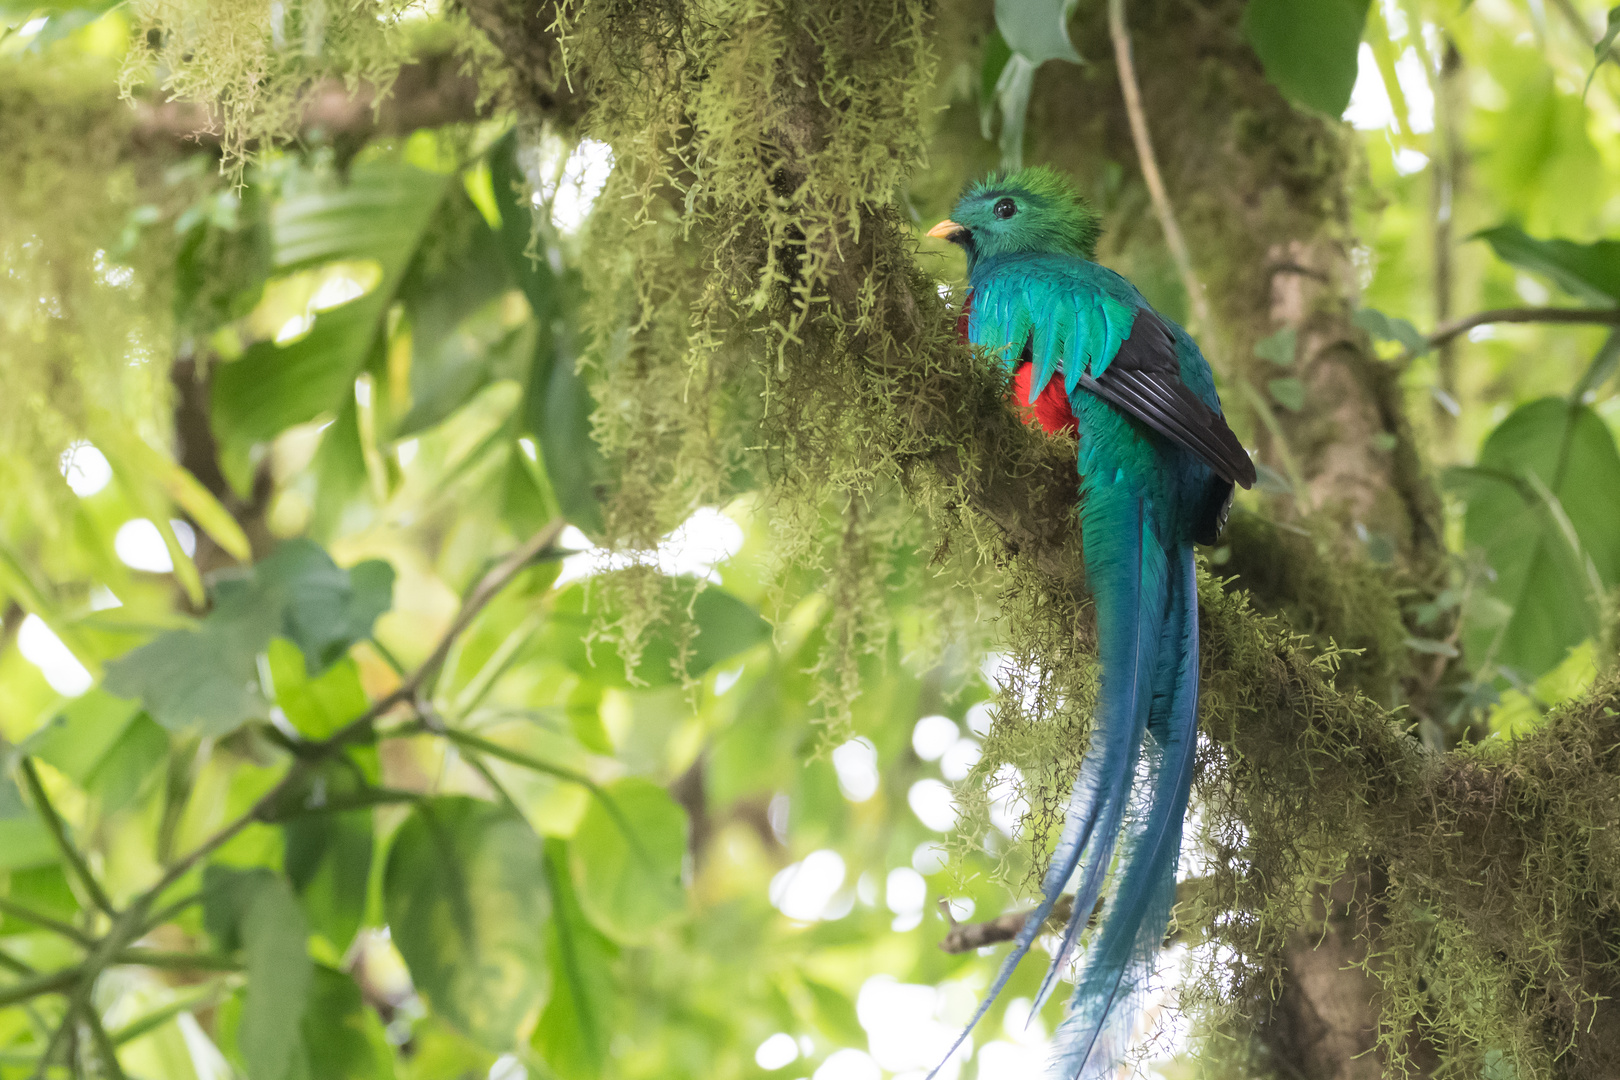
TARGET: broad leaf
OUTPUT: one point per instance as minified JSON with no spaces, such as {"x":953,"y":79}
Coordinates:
{"x":1544,"y":505}
{"x":325,"y":608}
{"x":1590,"y":271}
{"x":383,"y":214}
{"x":328,"y":860}
{"x":24,"y":839}
{"x":1309,"y":48}
{"x":557,"y":404}
{"x":320,"y":706}
{"x":342,"y":1037}
{"x":279,"y":973}
{"x":578,"y":1022}
{"x":1038,"y":30}
{"x":206,"y":679}
{"x":451,"y":354}
{"x":466,"y":899}
{"x":1390,"y":328}
{"x":1289,"y":393}
{"x":255,"y":911}
{"x":1280,"y":348}
{"x":627,"y":856}
{"x":77,"y":739}
{"x":562,"y":427}
{"x":203,"y":680}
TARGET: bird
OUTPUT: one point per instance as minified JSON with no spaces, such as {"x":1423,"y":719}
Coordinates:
{"x":1157,"y":465}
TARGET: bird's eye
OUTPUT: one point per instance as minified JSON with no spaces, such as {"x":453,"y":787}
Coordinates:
{"x":1004,"y":209}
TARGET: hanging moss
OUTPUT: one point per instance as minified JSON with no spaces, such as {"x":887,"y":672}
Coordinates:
{"x":84,"y":343}
{"x":757,"y":319}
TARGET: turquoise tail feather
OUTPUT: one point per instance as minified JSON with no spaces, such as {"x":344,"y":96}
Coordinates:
{"x":1120,"y":563}
{"x":1122,"y":958}
{"x":1126,"y":568}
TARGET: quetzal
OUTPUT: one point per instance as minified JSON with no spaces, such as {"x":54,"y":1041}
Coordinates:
{"x":1157,"y":466}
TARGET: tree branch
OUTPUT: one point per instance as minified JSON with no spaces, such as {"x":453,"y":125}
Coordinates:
{"x":58,"y":831}
{"x":55,"y":926}
{"x":1455,"y":329}
{"x":1150,"y":164}
{"x":428,"y":92}
{"x":965,"y":937}
{"x":134,"y":920}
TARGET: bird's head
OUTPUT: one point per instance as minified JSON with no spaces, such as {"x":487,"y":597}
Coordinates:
{"x":1031,"y":210}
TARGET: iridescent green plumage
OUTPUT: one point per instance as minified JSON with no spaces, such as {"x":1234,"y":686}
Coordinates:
{"x":1157,"y":464}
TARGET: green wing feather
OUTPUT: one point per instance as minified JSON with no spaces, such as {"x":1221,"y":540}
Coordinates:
{"x":1073,"y":314}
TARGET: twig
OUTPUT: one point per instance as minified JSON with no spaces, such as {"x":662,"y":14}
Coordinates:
{"x":58,"y":831}
{"x":486,"y":589}
{"x":105,"y":1048}
{"x":493,"y":582}
{"x":154,"y":1020}
{"x":1150,"y":165}
{"x":180,"y":961}
{"x":965,"y":937}
{"x":16,"y":966}
{"x":45,"y":922}
{"x":1604,"y":316}
{"x":134,"y":920}
{"x":57,"y":982}
{"x":166,"y":914}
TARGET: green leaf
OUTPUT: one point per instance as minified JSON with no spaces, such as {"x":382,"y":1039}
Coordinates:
{"x":557,"y":404}
{"x":44,"y":889}
{"x":1280,"y":348}
{"x":575,"y":1029}
{"x":325,"y":608}
{"x":328,"y":860}
{"x":456,"y":328}
{"x":343,"y":1038}
{"x":382,"y":214}
{"x":227,"y":892}
{"x":518,"y":234}
{"x":1388,"y":328}
{"x":320,"y":706}
{"x":132,"y":762}
{"x":1308,"y":48}
{"x":1601,"y":369}
{"x":1012,"y":91}
{"x":203,"y":680}
{"x":255,"y":911}
{"x":1590,"y":271}
{"x":80,"y":736}
{"x":627,"y":855}
{"x":1601,"y":51}
{"x":1037,"y":29}
{"x":466,"y":899}
{"x":1289,"y":393}
{"x":206,"y":679}
{"x":24,"y":840}
{"x":573,"y":462}
{"x":279,"y":974}
{"x":1544,"y":506}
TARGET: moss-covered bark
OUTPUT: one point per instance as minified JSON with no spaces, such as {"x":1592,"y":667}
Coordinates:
{"x":759,"y":317}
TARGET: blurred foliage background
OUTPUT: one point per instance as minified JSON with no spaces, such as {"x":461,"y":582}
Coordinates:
{"x":345,"y":736}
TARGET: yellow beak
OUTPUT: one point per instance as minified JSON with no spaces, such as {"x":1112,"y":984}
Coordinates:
{"x":947,"y":230}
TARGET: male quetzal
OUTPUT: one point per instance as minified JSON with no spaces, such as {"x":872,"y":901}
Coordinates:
{"x":1157,"y":465}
